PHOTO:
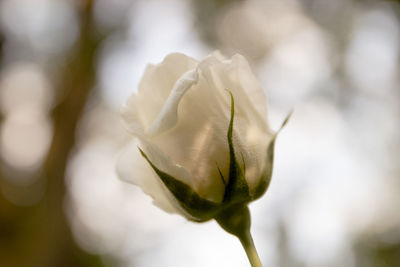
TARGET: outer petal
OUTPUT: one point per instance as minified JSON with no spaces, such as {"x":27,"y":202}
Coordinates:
{"x":133,"y":119}
{"x":168,"y":116}
{"x":154,"y":89}
{"x":133,"y":168}
{"x":249,"y":83}
{"x":252,"y":134}
{"x":236,"y":76}
{"x":198,"y":141}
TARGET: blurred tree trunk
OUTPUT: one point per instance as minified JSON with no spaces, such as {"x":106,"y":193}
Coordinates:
{"x":40,"y":235}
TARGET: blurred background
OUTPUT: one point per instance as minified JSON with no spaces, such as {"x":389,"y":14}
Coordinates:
{"x":66,"y":67}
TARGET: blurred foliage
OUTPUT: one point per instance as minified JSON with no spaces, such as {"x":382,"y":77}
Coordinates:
{"x":207,"y":12}
{"x":379,"y":250}
{"x":39,"y":235}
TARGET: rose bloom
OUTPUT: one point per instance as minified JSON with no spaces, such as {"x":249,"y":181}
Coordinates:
{"x":183,"y":152}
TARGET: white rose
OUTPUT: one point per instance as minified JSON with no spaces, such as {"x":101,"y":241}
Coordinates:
{"x":180,"y":119}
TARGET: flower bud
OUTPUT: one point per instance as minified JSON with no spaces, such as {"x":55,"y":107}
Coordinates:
{"x":201,"y":144}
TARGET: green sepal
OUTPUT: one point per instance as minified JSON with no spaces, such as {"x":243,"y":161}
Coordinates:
{"x":262,"y":186}
{"x":199,"y":209}
{"x":237,"y":189}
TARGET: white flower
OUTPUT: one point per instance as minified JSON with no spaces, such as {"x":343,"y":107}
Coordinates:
{"x":180,"y":119}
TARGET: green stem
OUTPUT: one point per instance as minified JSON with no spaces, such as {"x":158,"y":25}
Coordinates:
{"x":248,"y":245}
{"x":236,"y":220}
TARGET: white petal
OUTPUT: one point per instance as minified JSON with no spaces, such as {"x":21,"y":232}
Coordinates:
{"x":236,"y":76}
{"x":252,"y":149}
{"x":249,"y":83}
{"x":168,"y":116}
{"x":133,"y":168}
{"x":154,"y":89}
{"x":252,"y":133}
{"x":218,"y":55}
{"x":164,"y":162}
{"x":132,"y":117}
{"x":198,"y":141}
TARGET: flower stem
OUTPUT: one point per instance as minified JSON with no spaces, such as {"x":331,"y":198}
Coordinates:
{"x":236,"y":220}
{"x":248,"y":245}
